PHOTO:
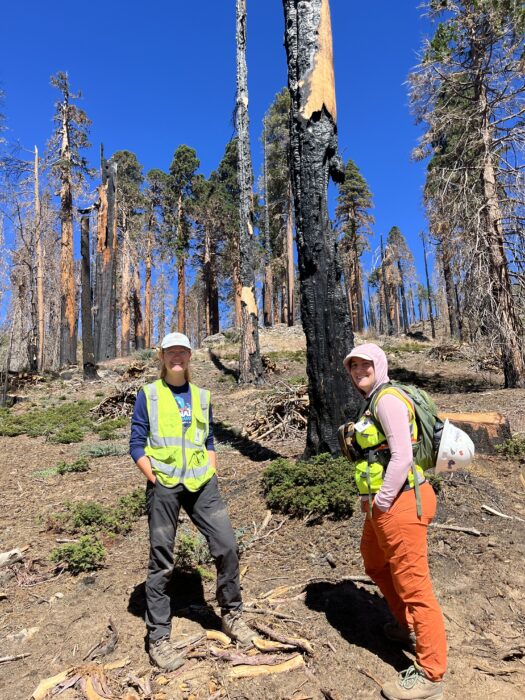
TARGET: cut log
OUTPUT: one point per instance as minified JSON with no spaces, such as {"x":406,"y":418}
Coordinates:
{"x":485,"y":429}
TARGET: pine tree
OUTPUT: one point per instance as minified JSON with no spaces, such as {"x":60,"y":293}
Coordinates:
{"x":354,"y":224}
{"x":468,"y":91}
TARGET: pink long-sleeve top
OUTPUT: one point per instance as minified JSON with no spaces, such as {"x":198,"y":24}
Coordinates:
{"x":394,"y":417}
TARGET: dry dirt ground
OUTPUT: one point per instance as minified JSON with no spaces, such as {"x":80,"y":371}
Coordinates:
{"x":298,"y":573}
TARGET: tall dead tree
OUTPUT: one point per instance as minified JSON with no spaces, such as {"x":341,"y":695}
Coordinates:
{"x":39,"y":268}
{"x":268,"y":276}
{"x":314,"y":158}
{"x":105,"y":290}
{"x":88,"y":344}
{"x":429,"y":291}
{"x":250,"y":364}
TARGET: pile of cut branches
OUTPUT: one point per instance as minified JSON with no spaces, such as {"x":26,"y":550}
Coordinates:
{"x":119,"y":404}
{"x":282,"y":414}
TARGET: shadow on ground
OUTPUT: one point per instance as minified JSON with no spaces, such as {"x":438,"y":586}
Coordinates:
{"x":219,"y":364}
{"x":187,"y":600}
{"x":358,"y":615}
{"x":439,"y":383}
{"x":249,"y":448}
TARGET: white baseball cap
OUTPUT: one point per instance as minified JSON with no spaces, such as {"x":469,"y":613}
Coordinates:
{"x":175,"y":339}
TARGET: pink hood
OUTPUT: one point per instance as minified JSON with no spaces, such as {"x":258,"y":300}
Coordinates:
{"x":373,"y":352}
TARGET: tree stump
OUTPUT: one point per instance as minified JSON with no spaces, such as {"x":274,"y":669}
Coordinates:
{"x":485,"y":429}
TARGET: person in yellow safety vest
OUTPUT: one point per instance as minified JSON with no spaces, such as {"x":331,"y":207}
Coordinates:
{"x":172,"y":444}
{"x":394,"y":540}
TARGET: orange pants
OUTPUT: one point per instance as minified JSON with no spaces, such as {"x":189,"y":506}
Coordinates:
{"x":394,"y":549}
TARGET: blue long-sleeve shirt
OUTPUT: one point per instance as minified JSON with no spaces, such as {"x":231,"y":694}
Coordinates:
{"x":140,"y":419}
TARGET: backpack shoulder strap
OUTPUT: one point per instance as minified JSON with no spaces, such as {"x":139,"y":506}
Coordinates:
{"x":394,"y":390}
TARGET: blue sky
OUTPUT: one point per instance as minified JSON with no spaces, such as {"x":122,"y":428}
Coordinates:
{"x":156,"y":75}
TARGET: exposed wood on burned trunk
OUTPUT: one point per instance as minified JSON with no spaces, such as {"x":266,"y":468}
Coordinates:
{"x":105,"y":291}
{"x":250,"y":364}
{"x":324,"y":308}
{"x":88,"y":345}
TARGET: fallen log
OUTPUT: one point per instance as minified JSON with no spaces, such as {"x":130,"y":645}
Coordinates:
{"x":487,"y":430}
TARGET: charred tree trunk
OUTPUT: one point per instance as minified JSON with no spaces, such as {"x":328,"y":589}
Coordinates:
{"x":250,"y":364}
{"x":68,"y":312}
{"x":88,"y":344}
{"x":430,"y":312}
{"x":290,"y":269}
{"x":105,"y":290}
{"x":138,"y":321}
{"x":314,"y":158}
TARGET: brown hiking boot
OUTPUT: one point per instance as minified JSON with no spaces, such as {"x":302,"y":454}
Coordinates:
{"x":234,"y":626}
{"x":412,"y":684}
{"x":163,"y":654}
{"x":402,"y":635}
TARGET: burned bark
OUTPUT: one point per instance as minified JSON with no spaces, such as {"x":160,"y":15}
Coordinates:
{"x":250,"y":364}
{"x":105,"y":290}
{"x":268,"y":275}
{"x":39,"y":270}
{"x":68,"y":312}
{"x":148,"y":320}
{"x":314,"y":158}
{"x":429,"y":292}
{"x":88,"y":344}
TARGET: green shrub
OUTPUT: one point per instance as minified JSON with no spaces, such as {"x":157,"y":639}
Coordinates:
{"x":63,"y":423}
{"x":111,"y":450}
{"x":79,"y":465}
{"x":84,"y":517}
{"x":324,"y":485}
{"x":192,"y":552}
{"x":514,"y":447}
{"x":107,"y":430}
{"x":436,"y":481}
{"x":87,"y":554}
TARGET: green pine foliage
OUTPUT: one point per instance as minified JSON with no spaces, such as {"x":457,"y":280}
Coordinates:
{"x":90,"y":517}
{"x":322,"y":486}
{"x":110,"y":450}
{"x":88,"y":554}
{"x":65,"y":423}
{"x":514,"y":447}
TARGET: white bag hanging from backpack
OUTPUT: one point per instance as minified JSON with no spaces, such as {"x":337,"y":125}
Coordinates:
{"x":456,"y":449}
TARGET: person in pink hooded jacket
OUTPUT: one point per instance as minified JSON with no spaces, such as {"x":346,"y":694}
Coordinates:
{"x":394,"y":540}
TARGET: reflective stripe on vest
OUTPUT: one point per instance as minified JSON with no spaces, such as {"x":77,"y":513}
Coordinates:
{"x":369,"y":472}
{"x":178,"y":454}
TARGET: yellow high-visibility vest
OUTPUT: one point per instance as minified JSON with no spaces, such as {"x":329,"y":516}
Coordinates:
{"x":370,"y":471}
{"x":178,"y":455}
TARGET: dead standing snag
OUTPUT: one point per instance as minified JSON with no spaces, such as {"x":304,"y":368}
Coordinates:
{"x":314,"y":159}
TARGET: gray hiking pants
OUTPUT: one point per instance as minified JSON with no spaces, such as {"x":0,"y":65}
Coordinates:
{"x":207,"y":511}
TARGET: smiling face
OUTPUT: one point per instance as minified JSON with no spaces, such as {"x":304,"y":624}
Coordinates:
{"x":362,"y":373}
{"x":176,"y":359}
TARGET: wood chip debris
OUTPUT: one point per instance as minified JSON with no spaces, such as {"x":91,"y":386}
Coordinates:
{"x":283,"y":413}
